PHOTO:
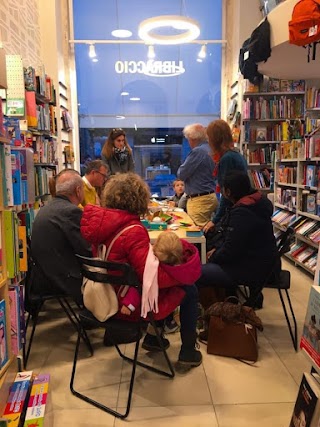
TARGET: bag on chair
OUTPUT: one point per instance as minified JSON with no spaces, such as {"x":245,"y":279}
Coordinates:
{"x":101,"y":298}
{"x":230,"y":334}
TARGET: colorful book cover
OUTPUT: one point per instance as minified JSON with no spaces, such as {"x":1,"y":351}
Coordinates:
{"x":22,"y":318}
{"x":273,"y":85}
{"x":37,"y":401}
{"x":261,"y":134}
{"x":4,"y":354}
{"x":311,"y":176}
{"x":15,"y":320}
{"x":11,"y":243}
{"x":311,"y":203}
{"x":306,"y":408}
{"x":310,"y":338}
{"x":16,"y":179}
{"x":9,"y":201}
{"x":17,"y":398}
{"x":22,"y":234}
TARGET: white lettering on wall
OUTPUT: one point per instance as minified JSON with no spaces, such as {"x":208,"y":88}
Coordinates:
{"x":150,"y":68}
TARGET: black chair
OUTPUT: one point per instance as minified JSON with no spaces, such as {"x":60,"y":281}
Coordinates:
{"x":117,"y":274}
{"x":281,"y":283}
{"x":34,"y":302}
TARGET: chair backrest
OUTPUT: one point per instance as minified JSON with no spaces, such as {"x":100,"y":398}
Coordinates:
{"x":112,"y":272}
{"x":285,"y":241}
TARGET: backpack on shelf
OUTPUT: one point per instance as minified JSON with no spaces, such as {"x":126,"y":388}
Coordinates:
{"x":255,"y":49}
{"x":304,"y":27}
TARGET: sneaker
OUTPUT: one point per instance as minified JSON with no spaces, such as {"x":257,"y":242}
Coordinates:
{"x":150,"y":343}
{"x":171,"y":327}
{"x":190,"y":357}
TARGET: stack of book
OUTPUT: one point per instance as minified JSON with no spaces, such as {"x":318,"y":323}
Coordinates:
{"x":283,"y":218}
{"x":282,"y":107}
{"x":260,"y":179}
{"x":286,"y":197}
{"x":287,"y":174}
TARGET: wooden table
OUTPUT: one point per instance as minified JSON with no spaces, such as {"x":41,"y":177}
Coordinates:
{"x":181,"y":232}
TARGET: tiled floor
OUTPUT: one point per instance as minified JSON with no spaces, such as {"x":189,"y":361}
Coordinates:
{"x":222,"y":392}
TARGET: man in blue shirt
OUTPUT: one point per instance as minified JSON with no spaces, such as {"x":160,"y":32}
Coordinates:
{"x":197,"y":174}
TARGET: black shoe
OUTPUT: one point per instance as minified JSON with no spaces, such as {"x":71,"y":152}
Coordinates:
{"x":190,"y":357}
{"x":150,"y":343}
{"x":255,"y":302}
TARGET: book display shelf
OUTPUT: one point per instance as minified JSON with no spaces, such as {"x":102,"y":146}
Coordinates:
{"x":268,"y":110}
{"x":297,"y":185}
{"x":66,"y":127}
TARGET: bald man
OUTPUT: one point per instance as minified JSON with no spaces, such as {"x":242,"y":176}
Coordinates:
{"x":56,"y":239}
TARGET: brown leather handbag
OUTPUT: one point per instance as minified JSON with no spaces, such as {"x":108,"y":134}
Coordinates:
{"x":232,"y":338}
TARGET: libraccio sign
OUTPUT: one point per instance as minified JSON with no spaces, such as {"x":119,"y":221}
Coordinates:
{"x":150,"y":68}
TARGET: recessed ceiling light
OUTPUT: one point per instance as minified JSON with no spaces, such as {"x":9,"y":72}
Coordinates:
{"x":135,"y":99}
{"x":121,"y":33}
{"x":95,"y":60}
{"x":124,"y":93}
{"x":120,"y":117}
{"x":199,"y":60}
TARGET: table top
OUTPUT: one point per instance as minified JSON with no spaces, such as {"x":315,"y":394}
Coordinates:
{"x":181,"y":231}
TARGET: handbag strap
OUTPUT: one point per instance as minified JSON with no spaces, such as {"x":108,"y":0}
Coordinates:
{"x":104,"y":253}
{"x":249,"y":331}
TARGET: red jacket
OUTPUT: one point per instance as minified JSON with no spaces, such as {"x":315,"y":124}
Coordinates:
{"x":99,"y":226}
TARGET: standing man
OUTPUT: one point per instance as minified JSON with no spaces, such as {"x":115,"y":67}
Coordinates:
{"x":95,"y":177}
{"x":197,"y":174}
{"x":56,"y":239}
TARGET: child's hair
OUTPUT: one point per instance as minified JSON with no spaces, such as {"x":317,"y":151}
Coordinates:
{"x":168,"y":248}
{"x":176,"y":181}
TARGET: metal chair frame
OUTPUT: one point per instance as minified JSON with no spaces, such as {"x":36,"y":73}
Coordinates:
{"x":127,"y":277}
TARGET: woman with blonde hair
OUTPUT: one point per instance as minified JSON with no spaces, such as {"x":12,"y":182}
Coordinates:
{"x":117,"y":153}
{"x":221,"y":143}
{"x":124,"y":199}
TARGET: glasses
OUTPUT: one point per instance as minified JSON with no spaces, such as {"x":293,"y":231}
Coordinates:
{"x":106,"y":177}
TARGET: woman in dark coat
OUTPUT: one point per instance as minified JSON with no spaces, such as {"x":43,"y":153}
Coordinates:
{"x":242,"y":248}
{"x":116,"y":153}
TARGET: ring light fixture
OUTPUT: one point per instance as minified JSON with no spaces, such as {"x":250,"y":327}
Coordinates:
{"x":190,"y":28}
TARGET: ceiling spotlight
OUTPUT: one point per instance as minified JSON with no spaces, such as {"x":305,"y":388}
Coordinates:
{"x":92,"y":51}
{"x":95,"y":59}
{"x":124,"y":93}
{"x":151,"y":52}
{"x":135,"y":99}
{"x":199,"y":60}
{"x":203,"y":52}
{"x":122,"y":34}
{"x":120,"y":117}
{"x":190,"y":28}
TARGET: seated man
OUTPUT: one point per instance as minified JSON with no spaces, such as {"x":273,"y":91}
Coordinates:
{"x":56,"y":238}
{"x":242,"y":248}
{"x":95,"y":177}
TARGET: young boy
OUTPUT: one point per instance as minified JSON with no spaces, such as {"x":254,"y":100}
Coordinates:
{"x":179,"y":198}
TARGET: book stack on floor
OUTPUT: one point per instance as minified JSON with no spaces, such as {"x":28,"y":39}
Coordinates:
{"x":27,"y":400}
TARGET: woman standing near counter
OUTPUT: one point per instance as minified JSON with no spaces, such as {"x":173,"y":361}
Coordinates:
{"x":116,"y":152}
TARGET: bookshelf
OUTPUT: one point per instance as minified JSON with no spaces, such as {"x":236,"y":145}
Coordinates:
{"x":267,"y":113}
{"x":66,"y":128}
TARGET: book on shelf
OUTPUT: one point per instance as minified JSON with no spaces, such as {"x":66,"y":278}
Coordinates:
{"x":311,"y":175}
{"x":15,"y":319}
{"x":311,"y":203}
{"x":305,"y":254}
{"x":4,"y":351}
{"x":310,"y":339}
{"x":261,"y":133}
{"x":273,"y":85}
{"x":306,"y":410}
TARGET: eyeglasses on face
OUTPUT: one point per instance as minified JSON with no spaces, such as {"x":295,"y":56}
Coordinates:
{"x":106,"y":177}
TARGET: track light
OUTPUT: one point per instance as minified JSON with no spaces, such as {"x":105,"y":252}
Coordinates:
{"x":151,"y":52}
{"x":92,"y":51}
{"x":203,"y":52}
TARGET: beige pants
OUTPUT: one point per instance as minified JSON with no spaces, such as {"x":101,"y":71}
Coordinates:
{"x":201,"y":208}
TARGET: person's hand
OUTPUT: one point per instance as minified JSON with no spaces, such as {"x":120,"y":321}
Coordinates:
{"x":209,"y":226}
{"x":125,"y":310}
{"x":210,"y":253}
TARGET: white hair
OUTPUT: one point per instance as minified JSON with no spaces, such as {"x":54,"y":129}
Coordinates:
{"x":67,"y":181}
{"x":195,"y":131}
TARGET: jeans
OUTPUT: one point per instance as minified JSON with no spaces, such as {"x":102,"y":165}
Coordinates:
{"x":214,"y":276}
{"x":189,"y":316}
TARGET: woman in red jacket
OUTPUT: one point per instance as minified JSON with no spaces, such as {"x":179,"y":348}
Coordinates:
{"x":124,"y":199}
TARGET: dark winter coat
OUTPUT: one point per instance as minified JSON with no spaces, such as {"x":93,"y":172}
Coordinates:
{"x":247,"y":251}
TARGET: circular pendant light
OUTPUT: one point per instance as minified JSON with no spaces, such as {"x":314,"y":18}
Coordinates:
{"x":190,"y":28}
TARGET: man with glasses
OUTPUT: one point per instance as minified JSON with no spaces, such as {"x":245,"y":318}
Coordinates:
{"x":95,"y":177}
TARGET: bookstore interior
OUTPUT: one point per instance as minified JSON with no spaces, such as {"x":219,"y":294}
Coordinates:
{"x":71,"y":72}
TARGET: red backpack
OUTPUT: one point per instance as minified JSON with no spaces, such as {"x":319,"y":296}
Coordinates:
{"x":304,"y":27}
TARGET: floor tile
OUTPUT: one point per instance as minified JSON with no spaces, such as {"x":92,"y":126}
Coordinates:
{"x":79,"y":418}
{"x":262,"y":415}
{"x":184,"y":416}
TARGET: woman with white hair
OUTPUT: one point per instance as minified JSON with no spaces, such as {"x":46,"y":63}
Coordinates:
{"x":197,"y":174}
